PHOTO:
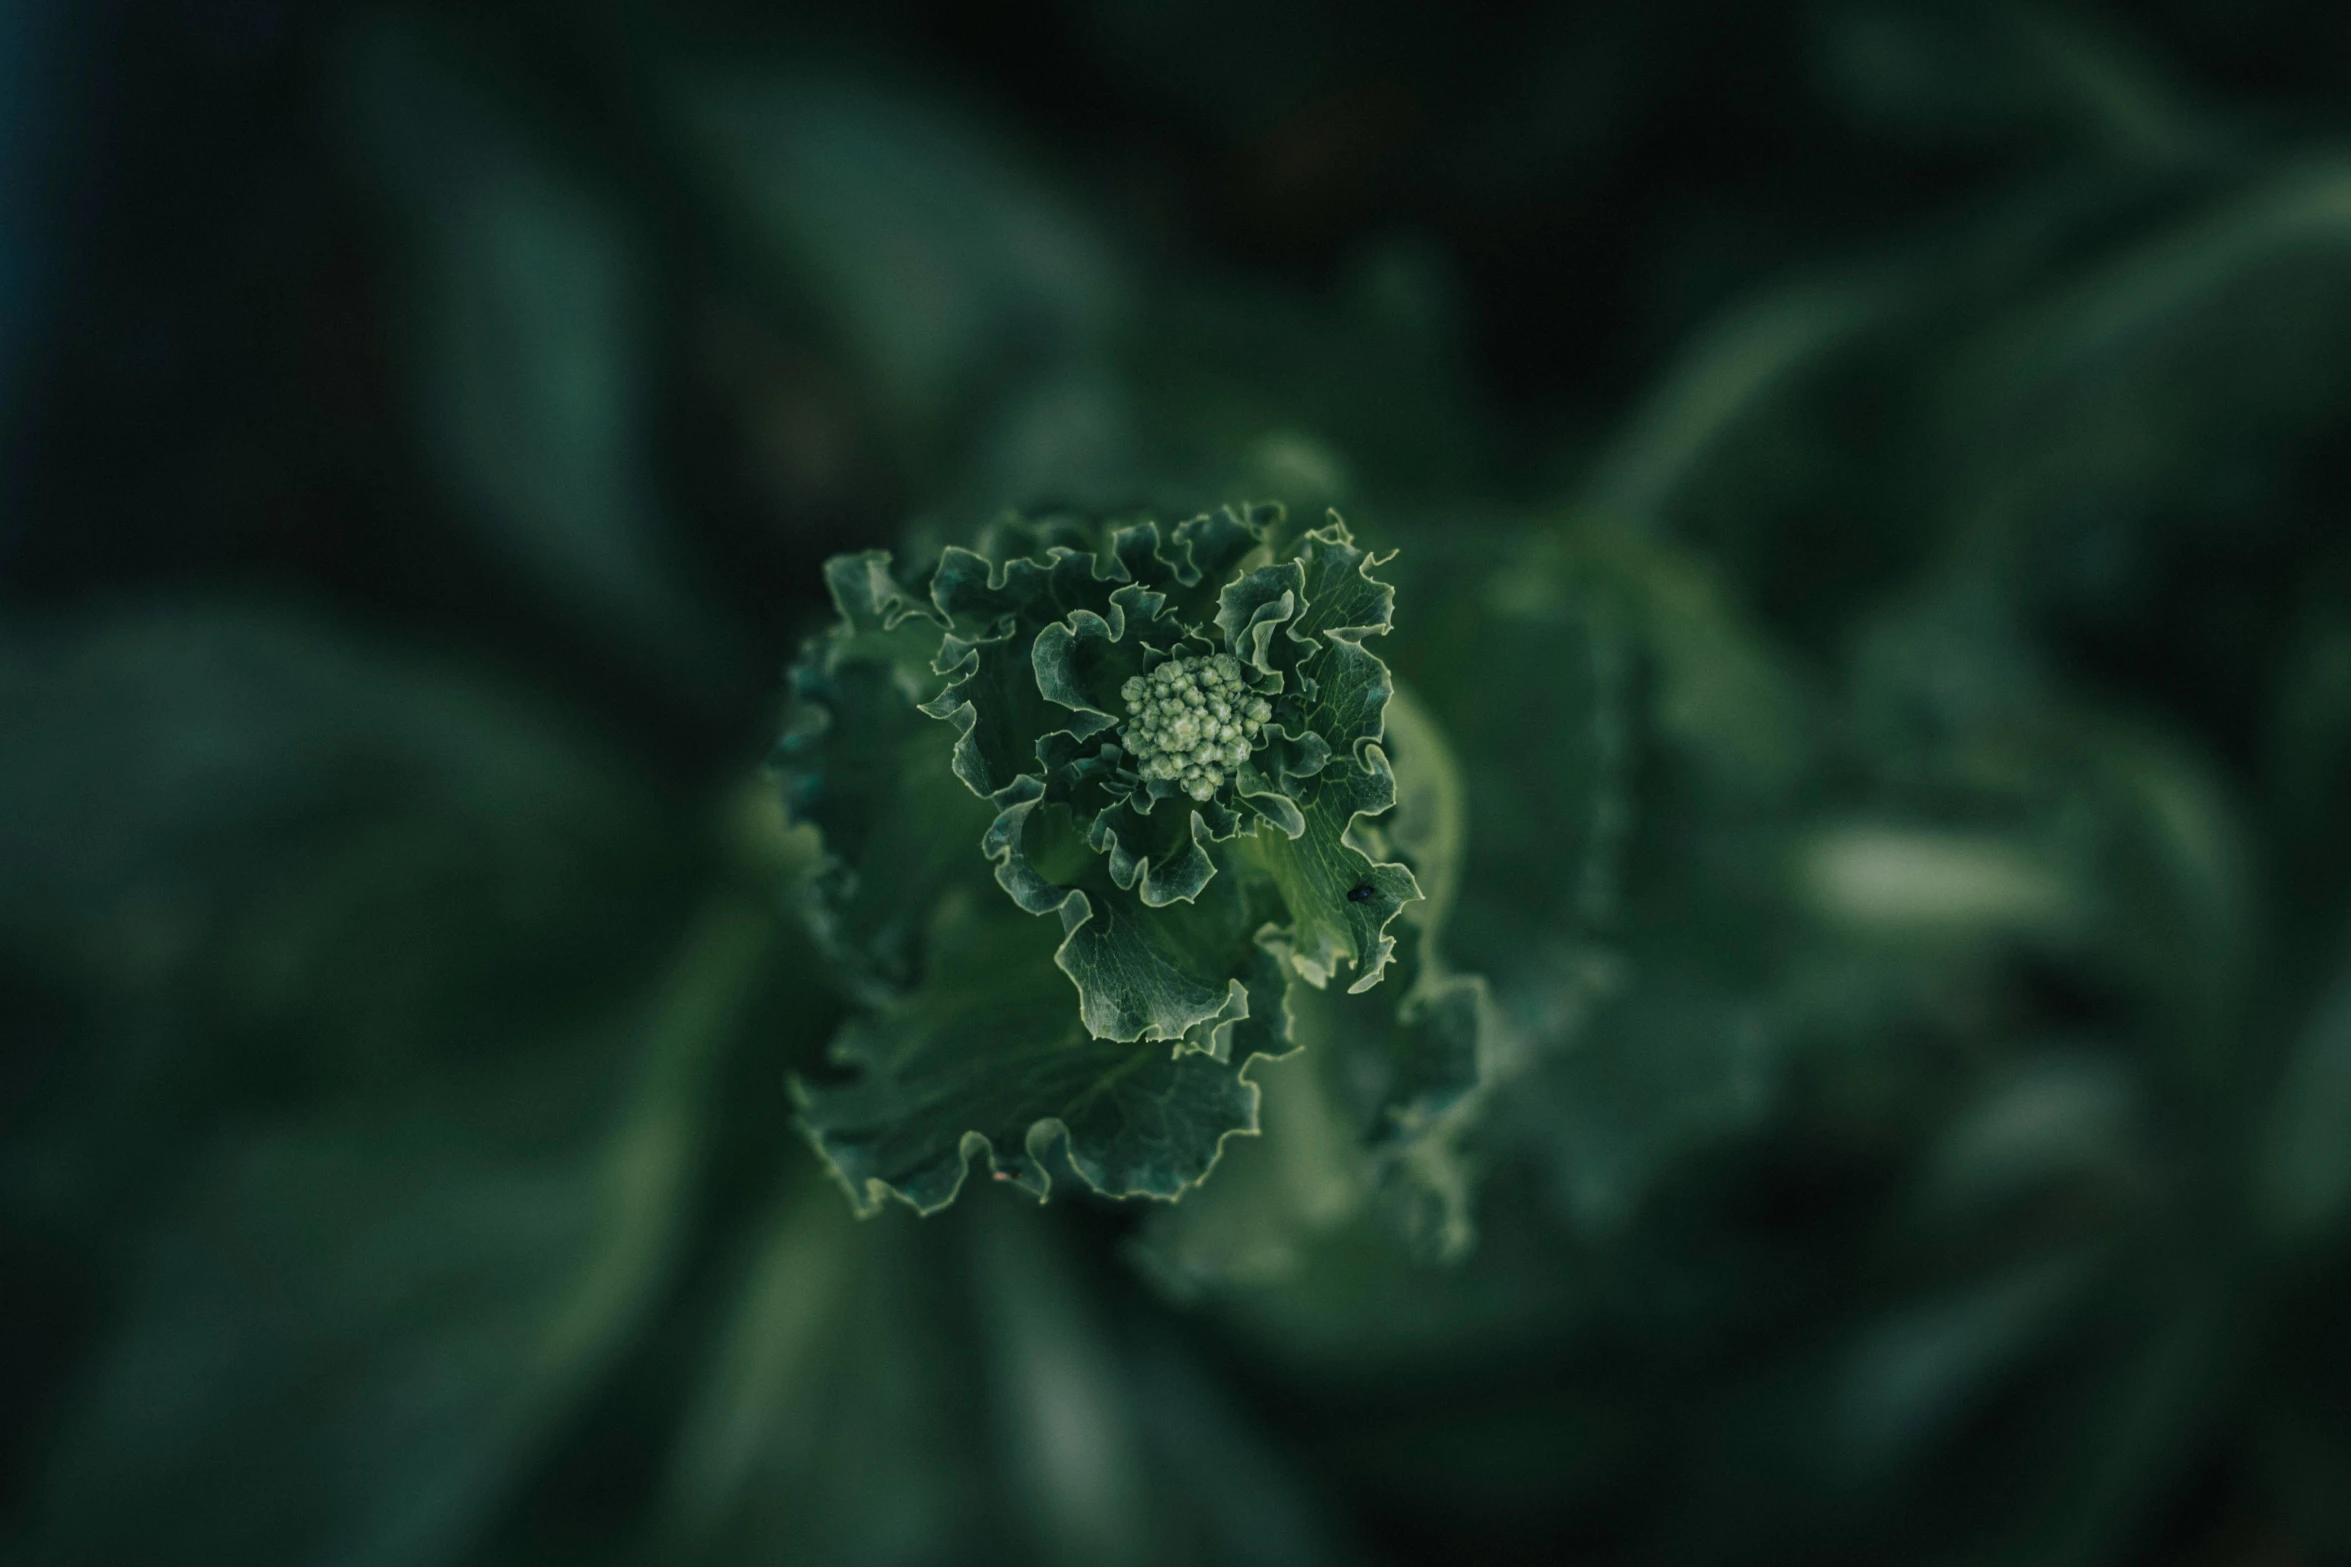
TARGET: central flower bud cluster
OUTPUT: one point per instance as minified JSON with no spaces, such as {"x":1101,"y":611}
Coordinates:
{"x":1193,"y":722}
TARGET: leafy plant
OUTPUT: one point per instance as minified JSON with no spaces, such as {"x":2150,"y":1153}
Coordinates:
{"x":1172,"y":743}
{"x":1849,"y":637}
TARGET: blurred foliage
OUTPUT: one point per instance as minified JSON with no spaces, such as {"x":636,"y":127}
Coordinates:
{"x":1868,"y":482}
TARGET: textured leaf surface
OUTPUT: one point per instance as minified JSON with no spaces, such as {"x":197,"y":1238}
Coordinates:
{"x":866,"y":767}
{"x":988,"y":1060}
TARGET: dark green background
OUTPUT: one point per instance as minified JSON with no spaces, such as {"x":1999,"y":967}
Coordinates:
{"x":1870,"y":480}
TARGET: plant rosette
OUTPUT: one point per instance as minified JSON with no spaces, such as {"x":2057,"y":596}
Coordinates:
{"x":1170,"y":741}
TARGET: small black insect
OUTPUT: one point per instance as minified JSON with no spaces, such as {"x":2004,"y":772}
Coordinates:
{"x":1361,"y":892}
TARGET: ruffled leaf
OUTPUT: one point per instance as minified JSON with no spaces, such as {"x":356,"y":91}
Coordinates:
{"x":1339,"y":897}
{"x":1254,"y":607}
{"x":988,"y":1060}
{"x":863,"y":765}
{"x":1142,"y":971}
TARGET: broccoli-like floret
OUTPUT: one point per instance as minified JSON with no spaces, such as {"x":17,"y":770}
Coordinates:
{"x":1194,"y":722}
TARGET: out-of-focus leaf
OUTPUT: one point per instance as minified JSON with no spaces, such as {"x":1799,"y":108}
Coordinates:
{"x":1909,"y":882}
{"x":1979,"y":72}
{"x":948,"y":269}
{"x":276,"y":860}
{"x":2308,"y":761}
{"x":531,"y":362}
{"x":1064,"y":1415}
{"x":1730,"y":394}
{"x":1848,"y":1425}
{"x":2175,"y":880}
{"x":2167,"y":373}
{"x":360,"y":1324}
{"x":400,"y":922}
{"x":1543,"y":837}
{"x":2168,"y":1362}
{"x":152,"y":751}
{"x":1348,"y":1300}
{"x":1224,"y":1491}
{"x":1664,"y":1070}
{"x":1311,"y":402}
{"x":2088,"y":829}
{"x":831,"y":1413}
{"x":1722,"y":694}
{"x":1909,"y":1376}
{"x":2302,"y":1161}
{"x":953,"y":1391}
{"x":2065,"y":1114}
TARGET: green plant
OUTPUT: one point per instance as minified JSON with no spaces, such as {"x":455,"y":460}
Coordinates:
{"x":1169,"y":741}
{"x":1866,"y":687}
